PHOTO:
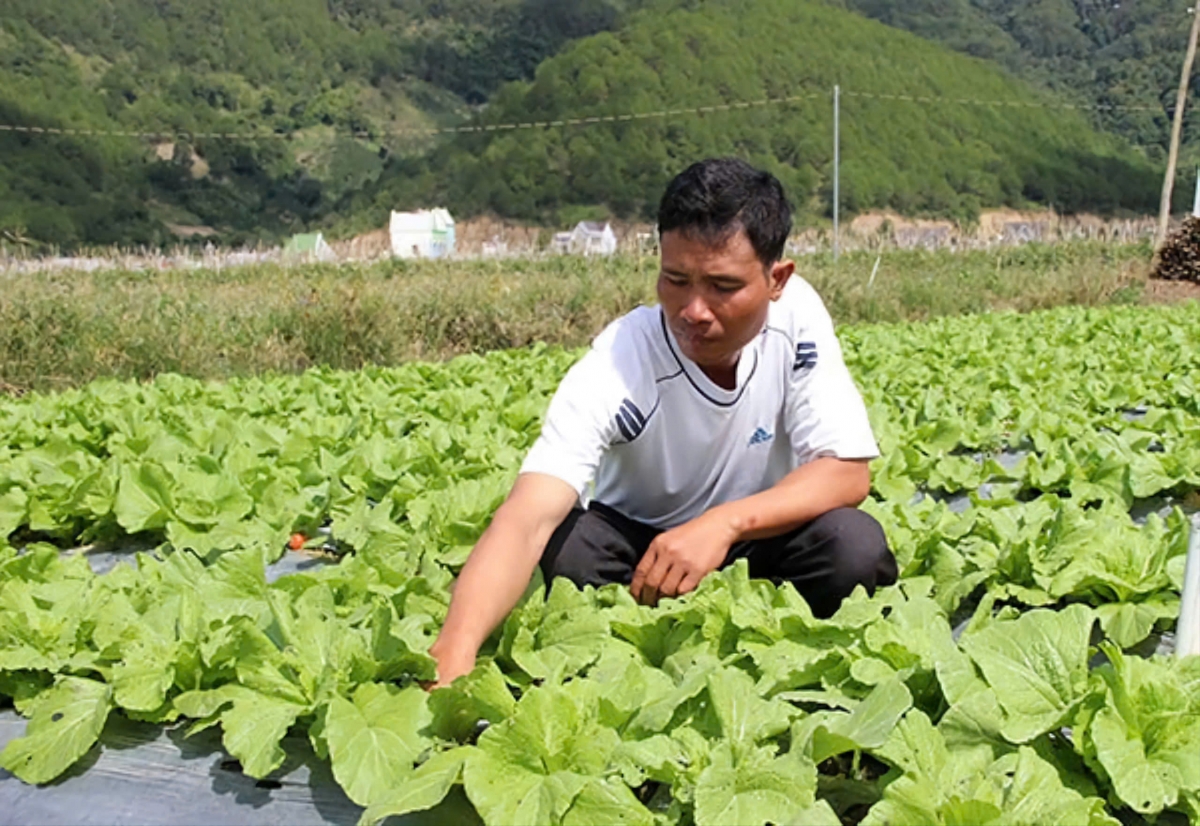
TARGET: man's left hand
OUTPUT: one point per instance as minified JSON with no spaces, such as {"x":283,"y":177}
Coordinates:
{"x":678,"y":559}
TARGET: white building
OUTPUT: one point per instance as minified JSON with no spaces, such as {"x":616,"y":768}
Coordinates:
{"x":426,"y":233}
{"x":588,"y":238}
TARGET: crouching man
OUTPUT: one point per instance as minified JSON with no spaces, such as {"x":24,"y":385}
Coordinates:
{"x":720,"y":425}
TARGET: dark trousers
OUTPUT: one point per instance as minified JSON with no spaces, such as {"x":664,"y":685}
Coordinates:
{"x":824,"y":559}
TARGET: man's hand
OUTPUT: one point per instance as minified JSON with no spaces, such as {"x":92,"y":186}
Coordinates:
{"x":678,"y":559}
{"x":451,"y":664}
{"x":498,"y":570}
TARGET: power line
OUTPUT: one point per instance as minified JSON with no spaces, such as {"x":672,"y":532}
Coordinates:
{"x":580,"y":121}
{"x":445,"y":130}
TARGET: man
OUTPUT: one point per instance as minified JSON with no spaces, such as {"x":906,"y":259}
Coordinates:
{"x":720,"y":425}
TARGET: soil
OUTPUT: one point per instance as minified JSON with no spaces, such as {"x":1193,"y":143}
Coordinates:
{"x":1159,"y":291}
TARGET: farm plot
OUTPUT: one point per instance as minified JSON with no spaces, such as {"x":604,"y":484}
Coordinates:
{"x":1036,"y":479}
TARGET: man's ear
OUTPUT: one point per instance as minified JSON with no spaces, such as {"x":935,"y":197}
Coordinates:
{"x":780,"y":272}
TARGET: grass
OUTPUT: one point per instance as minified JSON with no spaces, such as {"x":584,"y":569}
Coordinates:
{"x":59,"y":329}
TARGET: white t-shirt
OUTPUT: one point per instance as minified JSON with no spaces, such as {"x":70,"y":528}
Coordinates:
{"x":664,"y":444}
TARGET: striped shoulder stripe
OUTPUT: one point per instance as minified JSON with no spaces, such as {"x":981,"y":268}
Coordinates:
{"x":806,"y":355}
{"x":630,"y":420}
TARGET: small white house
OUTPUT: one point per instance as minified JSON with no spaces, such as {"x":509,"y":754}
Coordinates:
{"x":592,"y":238}
{"x":426,"y":233}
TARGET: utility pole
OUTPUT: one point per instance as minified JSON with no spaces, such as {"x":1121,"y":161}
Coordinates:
{"x":837,"y":163}
{"x":1164,"y":210}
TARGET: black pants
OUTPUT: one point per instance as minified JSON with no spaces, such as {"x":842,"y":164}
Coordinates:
{"x":824,"y":559}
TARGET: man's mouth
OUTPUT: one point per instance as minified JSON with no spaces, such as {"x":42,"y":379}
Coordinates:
{"x":697,"y":338}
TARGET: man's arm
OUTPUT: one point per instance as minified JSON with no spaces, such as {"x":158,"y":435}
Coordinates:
{"x":499,"y":568}
{"x":679,"y":558}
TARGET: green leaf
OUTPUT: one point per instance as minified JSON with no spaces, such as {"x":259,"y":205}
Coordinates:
{"x":1032,"y":794}
{"x":67,"y":721}
{"x":253,"y":728}
{"x":423,"y":789}
{"x":1146,"y":738}
{"x":1037,"y":665}
{"x":1128,"y":623}
{"x":530,"y":768}
{"x":866,"y":727}
{"x":560,"y":638}
{"x":481,"y":695}
{"x":143,"y":498}
{"x":756,"y":788}
{"x":745,"y":718}
{"x":13,"y":510}
{"x":253,"y":723}
{"x":375,"y":740}
{"x":608,"y":802}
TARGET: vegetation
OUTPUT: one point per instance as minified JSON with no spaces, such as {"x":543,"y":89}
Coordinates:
{"x":944,"y":159}
{"x":1093,"y":53}
{"x":1009,"y":470}
{"x":63,"y":329}
{"x":318,"y":71}
{"x":344,"y":79}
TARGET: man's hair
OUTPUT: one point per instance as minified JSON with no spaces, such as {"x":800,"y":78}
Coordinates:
{"x":713,"y":199}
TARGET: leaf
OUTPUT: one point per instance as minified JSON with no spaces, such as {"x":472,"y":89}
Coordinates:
{"x":67,"y":721}
{"x":1032,"y":794}
{"x":756,"y":788}
{"x":424,"y":789}
{"x":375,"y":740}
{"x":253,"y":723}
{"x":143,"y":499}
{"x":818,"y":814}
{"x":1128,"y":623}
{"x":1037,"y":665}
{"x":253,"y":728}
{"x":866,"y":727}
{"x":530,"y":768}
{"x":480,"y":695}
{"x":560,"y":638}
{"x":13,"y":510}
{"x":745,"y":718}
{"x":607,"y":802}
{"x":1148,"y":734}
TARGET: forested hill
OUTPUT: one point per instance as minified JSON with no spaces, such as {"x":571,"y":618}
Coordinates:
{"x":941,"y":158}
{"x":317,"y":70}
{"x":338,"y":81}
{"x":1099,"y":52}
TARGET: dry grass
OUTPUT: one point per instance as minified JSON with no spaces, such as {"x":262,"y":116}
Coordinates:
{"x":64,"y":328}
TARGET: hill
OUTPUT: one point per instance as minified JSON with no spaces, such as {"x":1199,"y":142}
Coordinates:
{"x":318,"y":70}
{"x":934,"y":158}
{"x":1096,"y":53}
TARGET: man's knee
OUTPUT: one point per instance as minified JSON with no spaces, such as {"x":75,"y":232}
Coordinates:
{"x":565,"y":555}
{"x":588,"y":550}
{"x":857,"y":548}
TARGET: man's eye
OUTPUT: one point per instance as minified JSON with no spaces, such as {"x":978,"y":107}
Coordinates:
{"x":728,"y":288}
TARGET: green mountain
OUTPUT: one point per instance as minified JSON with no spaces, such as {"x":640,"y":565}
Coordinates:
{"x":942,"y":158}
{"x":334,"y":80}
{"x":1096,"y":52}
{"x":335,"y":87}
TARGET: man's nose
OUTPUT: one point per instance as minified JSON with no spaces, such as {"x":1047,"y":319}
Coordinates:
{"x":696,"y":310}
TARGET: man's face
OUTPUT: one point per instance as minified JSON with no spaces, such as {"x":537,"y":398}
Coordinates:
{"x":716,"y":296}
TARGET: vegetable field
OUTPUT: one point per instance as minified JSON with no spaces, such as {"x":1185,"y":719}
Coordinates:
{"x":1036,"y":479}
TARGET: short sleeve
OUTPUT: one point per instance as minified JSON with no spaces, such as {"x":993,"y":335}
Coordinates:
{"x":825,"y":413}
{"x":579,"y":426}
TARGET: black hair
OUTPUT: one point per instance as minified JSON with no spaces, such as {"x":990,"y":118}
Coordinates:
{"x":714,"y":198}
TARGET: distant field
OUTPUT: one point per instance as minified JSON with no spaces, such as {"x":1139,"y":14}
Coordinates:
{"x":61,"y":329}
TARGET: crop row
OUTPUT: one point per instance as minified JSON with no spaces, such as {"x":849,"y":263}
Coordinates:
{"x":1015,"y":448}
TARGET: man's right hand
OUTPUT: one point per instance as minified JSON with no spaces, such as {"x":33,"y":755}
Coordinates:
{"x":498,"y":570}
{"x":451,"y":664}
